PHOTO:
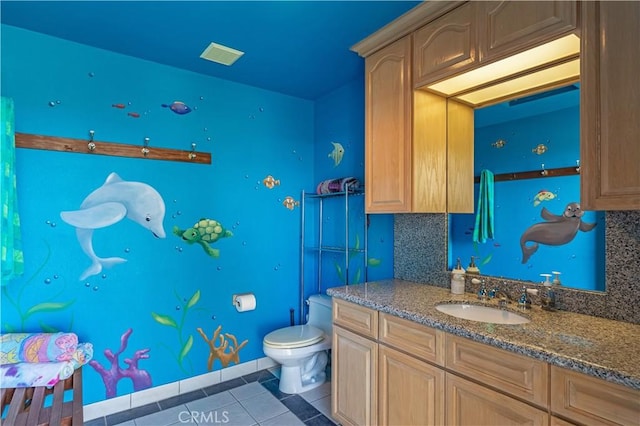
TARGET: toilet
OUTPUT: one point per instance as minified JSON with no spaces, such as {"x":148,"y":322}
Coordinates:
{"x":301,"y":350}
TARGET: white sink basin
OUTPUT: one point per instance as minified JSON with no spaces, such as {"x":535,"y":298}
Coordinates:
{"x":481,"y":313}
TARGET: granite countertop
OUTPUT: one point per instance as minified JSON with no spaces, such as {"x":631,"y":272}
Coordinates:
{"x":595,"y":346}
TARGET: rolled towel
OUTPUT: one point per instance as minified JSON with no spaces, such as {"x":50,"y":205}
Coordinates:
{"x":32,"y":374}
{"x":37,"y":347}
{"x":346,"y":184}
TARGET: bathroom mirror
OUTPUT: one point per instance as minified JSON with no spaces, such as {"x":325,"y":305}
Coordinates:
{"x":531,"y":145}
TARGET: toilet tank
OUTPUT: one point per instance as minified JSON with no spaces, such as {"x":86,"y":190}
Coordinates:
{"x":320,"y":312}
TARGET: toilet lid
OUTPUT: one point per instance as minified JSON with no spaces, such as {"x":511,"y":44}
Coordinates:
{"x":294,"y":337}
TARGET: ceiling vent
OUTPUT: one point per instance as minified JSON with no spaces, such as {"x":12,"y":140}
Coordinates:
{"x":221,"y":54}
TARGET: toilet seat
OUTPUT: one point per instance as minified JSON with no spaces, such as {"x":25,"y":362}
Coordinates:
{"x":296,"y":336}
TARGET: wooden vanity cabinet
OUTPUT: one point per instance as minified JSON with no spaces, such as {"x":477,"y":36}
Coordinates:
{"x":517,"y":375}
{"x":354,"y":364}
{"x":392,"y":371}
{"x":388,"y":128}
{"x":589,"y":400}
{"x":410,"y":389}
{"x":509,"y":27}
{"x":470,"y":404}
{"x":609,"y":105}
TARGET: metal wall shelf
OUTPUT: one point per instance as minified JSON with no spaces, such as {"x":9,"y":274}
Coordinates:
{"x":321,"y":248}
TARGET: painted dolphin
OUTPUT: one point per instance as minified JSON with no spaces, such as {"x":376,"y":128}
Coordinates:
{"x":109,"y":204}
{"x":558,"y":230}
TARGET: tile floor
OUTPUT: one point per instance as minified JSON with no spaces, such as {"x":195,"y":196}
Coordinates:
{"x":245,"y":401}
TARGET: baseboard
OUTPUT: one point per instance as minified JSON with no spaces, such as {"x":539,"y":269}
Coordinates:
{"x":158,"y":393}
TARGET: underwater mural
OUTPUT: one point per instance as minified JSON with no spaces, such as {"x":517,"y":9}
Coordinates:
{"x":557,"y":230}
{"x":543,"y":195}
{"x":109,"y":204}
{"x":205,"y":232}
{"x":220,"y":352}
{"x":290,"y":203}
{"x":141,"y":379}
{"x":271,"y":182}
{"x":178,"y":107}
{"x":337,"y":153}
{"x":185,"y":344}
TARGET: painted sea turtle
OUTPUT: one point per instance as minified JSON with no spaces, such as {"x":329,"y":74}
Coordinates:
{"x":204,"y":232}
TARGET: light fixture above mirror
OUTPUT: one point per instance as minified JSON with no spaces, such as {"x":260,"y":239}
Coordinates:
{"x":541,"y":68}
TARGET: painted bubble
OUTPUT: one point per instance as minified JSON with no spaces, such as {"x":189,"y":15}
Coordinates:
{"x":47,"y":280}
{"x":87,"y":284}
{"x":96,"y":288}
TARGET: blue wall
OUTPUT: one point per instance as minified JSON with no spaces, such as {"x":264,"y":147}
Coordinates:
{"x":167,"y":288}
{"x":518,"y":204}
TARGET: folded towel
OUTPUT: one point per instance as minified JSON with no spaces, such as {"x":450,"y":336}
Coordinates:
{"x":346,"y":184}
{"x":484,"y":216}
{"x":32,"y":374}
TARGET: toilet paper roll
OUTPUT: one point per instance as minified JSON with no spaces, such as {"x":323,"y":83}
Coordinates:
{"x":245,"y":302}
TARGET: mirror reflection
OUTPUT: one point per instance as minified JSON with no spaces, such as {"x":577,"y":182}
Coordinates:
{"x":528,"y":224}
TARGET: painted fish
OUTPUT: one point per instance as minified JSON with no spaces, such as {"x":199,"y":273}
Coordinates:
{"x":270,"y":182}
{"x":290,"y":203}
{"x":337,"y":153}
{"x":119,"y":106}
{"x":133,"y":114}
{"x":108,"y":205}
{"x":543,"y":195}
{"x":500,"y":143}
{"x":540,"y":149}
{"x":178,"y":107}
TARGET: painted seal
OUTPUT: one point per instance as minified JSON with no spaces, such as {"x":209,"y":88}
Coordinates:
{"x":556,"y":231}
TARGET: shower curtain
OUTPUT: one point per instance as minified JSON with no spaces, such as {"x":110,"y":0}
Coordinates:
{"x":11,"y":245}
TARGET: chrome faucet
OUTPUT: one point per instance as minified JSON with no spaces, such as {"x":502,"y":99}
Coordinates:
{"x":523,"y":301}
{"x":482,"y":294}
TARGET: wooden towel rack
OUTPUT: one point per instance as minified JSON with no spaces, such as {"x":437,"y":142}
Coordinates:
{"x":534,"y":174}
{"x":80,"y":146}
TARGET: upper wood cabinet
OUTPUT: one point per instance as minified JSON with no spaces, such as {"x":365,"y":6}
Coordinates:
{"x":388,"y":112}
{"x":508,"y":27}
{"x":609,"y":105}
{"x":445,"y":46}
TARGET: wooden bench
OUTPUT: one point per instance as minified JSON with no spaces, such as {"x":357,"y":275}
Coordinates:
{"x":27,"y":405}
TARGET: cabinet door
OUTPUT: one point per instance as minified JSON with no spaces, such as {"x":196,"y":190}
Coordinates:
{"x":354,"y":388}
{"x":388,"y":104}
{"x":445,"y":46}
{"x":508,"y":27}
{"x":609,"y":105}
{"x":471,"y":404}
{"x":411,"y":391}
{"x":589,"y":400}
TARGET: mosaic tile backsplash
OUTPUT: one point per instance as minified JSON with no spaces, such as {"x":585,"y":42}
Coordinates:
{"x":420,"y":255}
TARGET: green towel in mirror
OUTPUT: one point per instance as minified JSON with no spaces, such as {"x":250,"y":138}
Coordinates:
{"x":11,"y":248}
{"x":484,"y":214}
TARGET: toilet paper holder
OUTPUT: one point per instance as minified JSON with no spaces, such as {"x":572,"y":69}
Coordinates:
{"x":237,"y":301}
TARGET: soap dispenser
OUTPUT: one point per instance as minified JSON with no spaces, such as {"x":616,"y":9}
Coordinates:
{"x":457,"y":279}
{"x":473,"y":269}
{"x":548,"y":299}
